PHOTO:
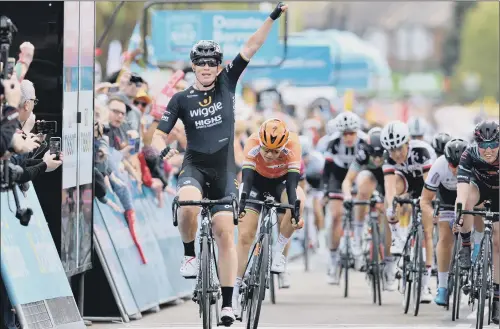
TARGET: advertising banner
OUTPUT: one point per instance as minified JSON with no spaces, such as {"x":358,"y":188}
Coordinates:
{"x":304,"y":66}
{"x":175,"y":32}
{"x":31,"y":268}
{"x":77,"y":136}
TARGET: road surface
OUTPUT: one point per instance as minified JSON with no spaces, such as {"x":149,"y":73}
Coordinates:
{"x":311,"y":303}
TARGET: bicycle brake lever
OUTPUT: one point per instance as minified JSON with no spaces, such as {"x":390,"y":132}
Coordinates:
{"x":175,"y":206}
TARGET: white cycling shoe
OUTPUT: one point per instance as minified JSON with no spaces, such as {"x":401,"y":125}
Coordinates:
{"x":284,"y":280}
{"x":189,"y":267}
{"x":397,"y":245}
{"x":390,"y":284}
{"x":236,"y":305}
{"x":333,"y":276}
{"x":426,"y":295}
{"x":279,"y":263}
{"x":227,"y":316}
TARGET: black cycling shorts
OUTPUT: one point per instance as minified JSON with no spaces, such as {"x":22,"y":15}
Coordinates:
{"x":314,"y":182}
{"x":487,"y":193}
{"x":335,"y":183}
{"x":446,"y":196}
{"x":213,"y":184}
{"x":262,"y":185}
{"x":413,"y":186}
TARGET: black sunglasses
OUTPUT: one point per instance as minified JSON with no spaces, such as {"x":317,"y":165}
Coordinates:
{"x":137,"y":103}
{"x":211,"y":62}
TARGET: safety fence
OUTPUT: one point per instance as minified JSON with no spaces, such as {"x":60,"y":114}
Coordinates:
{"x":32,"y":273}
{"x":120,"y":287}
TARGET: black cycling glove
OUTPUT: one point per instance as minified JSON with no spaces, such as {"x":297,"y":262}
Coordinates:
{"x":277,"y":11}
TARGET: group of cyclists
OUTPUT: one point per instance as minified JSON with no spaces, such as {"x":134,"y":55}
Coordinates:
{"x":388,"y":161}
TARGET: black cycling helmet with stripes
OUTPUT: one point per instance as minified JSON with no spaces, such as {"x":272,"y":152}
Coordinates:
{"x":375,"y":147}
{"x":486,"y":131}
{"x":439,"y":141}
{"x":206,"y":49}
{"x":453,"y":151}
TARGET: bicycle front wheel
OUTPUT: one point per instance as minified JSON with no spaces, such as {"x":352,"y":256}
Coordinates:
{"x":483,"y":274}
{"x":260,"y":272}
{"x":375,"y":264}
{"x":305,"y":242}
{"x":418,"y":268}
{"x":454,"y":281}
{"x":272,"y":287}
{"x":205,"y":285}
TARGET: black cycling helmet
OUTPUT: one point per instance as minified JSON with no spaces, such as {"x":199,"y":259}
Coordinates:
{"x":206,"y":49}
{"x":375,"y":144}
{"x":439,"y":141}
{"x":453,"y":151}
{"x":486,"y":131}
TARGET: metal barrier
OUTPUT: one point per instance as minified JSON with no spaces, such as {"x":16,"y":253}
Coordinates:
{"x":34,"y":278}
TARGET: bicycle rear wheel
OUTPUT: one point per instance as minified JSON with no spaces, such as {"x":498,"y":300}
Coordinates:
{"x":454,"y":281}
{"x":483,"y":274}
{"x":345,"y":265}
{"x":205,"y":285}
{"x":375,"y":268}
{"x":260,"y":272}
{"x":305,"y":242}
{"x":418,"y":267}
{"x":272,"y":287}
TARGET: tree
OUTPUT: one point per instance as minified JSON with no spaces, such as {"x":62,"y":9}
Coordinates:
{"x":479,"y":53}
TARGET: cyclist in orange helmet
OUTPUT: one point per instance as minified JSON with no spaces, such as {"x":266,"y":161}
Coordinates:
{"x":272,"y":165}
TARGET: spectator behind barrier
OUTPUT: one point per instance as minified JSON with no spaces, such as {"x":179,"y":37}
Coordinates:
{"x":31,"y":166}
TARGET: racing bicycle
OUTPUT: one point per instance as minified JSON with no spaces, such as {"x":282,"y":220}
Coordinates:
{"x":207,"y":291}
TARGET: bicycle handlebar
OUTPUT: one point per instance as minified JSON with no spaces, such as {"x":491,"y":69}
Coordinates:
{"x":398,"y":200}
{"x":371,"y":202}
{"x":436,"y":204}
{"x":485,"y":212}
{"x":205,"y":203}
{"x":270,"y":203}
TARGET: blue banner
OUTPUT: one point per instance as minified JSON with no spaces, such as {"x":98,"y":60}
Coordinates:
{"x":304,"y":66}
{"x":175,"y":32}
{"x":30,"y":265}
{"x":31,"y":268}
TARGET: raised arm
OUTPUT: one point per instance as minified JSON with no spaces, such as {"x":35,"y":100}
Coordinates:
{"x":259,"y":37}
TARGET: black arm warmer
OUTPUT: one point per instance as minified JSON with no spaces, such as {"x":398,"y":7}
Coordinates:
{"x":292,"y":181}
{"x":328,"y":170}
{"x":247,"y":180}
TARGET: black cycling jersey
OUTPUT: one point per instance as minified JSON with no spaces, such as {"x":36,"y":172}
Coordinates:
{"x":208,"y":118}
{"x":473,"y":167}
{"x":418,"y":161}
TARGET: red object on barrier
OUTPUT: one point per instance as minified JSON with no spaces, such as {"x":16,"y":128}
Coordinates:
{"x":130,"y":216}
{"x":161,"y":101}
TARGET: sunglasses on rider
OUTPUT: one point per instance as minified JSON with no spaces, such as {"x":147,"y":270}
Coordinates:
{"x":489,"y":144}
{"x":211,"y":62}
{"x":142,"y":103}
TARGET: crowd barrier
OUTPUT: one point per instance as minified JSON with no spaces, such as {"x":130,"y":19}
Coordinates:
{"x":34,"y":278}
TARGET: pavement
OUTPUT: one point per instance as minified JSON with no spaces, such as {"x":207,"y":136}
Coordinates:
{"x":312,"y":303}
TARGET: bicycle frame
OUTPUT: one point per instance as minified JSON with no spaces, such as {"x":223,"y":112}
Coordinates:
{"x":206,"y":291}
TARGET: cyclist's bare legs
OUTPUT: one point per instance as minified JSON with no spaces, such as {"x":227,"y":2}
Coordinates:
{"x":428,"y":225}
{"x":366,"y":184}
{"x":247,"y":228}
{"x":223,"y":231}
{"x":467,"y":220}
{"x":336,"y":209}
{"x":444,"y":250}
{"x":188,"y":216}
{"x":285,"y":232}
{"x":478,"y":233}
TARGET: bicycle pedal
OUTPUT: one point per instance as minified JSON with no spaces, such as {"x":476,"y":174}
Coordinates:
{"x":189,"y":277}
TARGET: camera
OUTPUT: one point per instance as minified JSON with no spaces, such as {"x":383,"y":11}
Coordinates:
{"x":10,"y":173}
{"x":46,"y":127}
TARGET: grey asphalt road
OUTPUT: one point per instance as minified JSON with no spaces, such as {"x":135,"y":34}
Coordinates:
{"x":311,"y":303}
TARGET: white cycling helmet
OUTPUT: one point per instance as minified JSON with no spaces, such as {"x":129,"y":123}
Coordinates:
{"x":331,"y":126}
{"x":417,"y":126}
{"x":347,"y":121}
{"x":306,"y":144}
{"x":394,"y":135}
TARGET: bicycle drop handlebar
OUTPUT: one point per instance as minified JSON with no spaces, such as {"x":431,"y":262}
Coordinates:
{"x":484,"y":212}
{"x":437,"y":205}
{"x":205,"y":203}
{"x":270,"y":203}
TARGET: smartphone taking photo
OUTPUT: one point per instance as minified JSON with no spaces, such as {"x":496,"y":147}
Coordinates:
{"x":55,"y":146}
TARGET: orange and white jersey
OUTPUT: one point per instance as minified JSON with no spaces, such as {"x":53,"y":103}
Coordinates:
{"x":288,"y":161}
